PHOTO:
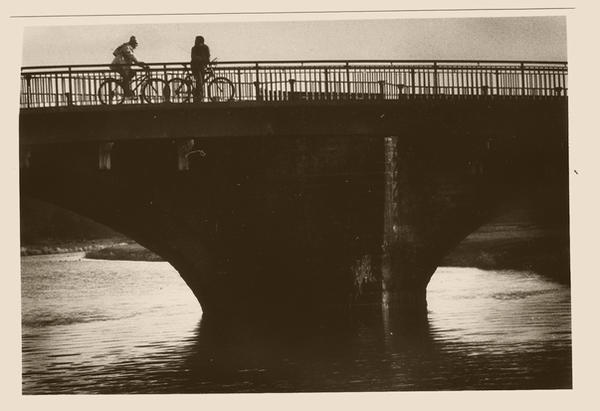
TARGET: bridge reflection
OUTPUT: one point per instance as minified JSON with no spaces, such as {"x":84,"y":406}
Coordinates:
{"x":312,"y":81}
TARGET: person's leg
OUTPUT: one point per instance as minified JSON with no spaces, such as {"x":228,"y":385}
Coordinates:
{"x":201,"y":83}
{"x":197,"y":86}
{"x":127,"y":75}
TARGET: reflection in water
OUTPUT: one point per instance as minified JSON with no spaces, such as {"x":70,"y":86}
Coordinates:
{"x":127,"y":327}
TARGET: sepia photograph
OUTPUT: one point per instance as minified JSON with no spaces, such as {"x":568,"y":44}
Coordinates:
{"x":302,"y":204}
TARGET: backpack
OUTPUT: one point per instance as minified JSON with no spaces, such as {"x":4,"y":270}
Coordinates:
{"x":118,"y":51}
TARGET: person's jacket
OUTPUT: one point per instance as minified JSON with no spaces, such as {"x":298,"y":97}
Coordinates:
{"x":200,"y":56}
{"x":124,"y":55}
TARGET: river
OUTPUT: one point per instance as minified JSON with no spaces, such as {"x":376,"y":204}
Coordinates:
{"x":91,"y":326}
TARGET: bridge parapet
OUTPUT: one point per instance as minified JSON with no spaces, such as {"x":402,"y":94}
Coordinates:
{"x":312,"y":81}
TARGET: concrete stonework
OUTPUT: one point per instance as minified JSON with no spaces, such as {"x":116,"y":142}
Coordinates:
{"x":272,"y":209}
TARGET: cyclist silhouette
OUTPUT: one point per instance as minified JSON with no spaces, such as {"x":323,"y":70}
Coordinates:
{"x":123,"y":62}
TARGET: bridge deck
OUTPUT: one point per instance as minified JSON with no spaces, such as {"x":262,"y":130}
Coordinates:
{"x":311,"y":81}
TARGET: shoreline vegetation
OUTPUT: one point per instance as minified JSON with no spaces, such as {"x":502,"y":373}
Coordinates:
{"x":124,"y":251}
{"x":501,"y":246}
{"x":100,"y":249}
{"x":52,"y":246}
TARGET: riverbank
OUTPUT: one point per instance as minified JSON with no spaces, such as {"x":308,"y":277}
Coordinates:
{"x":70,"y":246}
{"x":126,"y":251}
{"x":102,"y":249}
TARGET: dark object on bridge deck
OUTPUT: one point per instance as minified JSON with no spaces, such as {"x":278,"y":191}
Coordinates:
{"x":200,"y":58}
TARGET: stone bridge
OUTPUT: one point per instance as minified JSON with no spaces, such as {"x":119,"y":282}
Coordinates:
{"x":303,"y":188}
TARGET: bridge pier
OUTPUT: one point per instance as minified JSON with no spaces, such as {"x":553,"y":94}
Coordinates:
{"x":405,"y":268}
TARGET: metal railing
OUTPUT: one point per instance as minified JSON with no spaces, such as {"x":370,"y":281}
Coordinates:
{"x":266,"y":81}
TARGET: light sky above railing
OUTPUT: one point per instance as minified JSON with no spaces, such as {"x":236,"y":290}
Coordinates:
{"x":505,"y":38}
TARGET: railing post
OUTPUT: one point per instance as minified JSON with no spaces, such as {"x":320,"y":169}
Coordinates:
{"x":327,"y":97}
{"x":435,"y":79}
{"x":497,"y":83}
{"x":257,"y":91}
{"x":348,"y":80}
{"x":291,"y":95}
{"x":381,"y":89}
{"x":70,"y":95}
{"x":28,"y":92}
{"x":56,"y":90}
{"x":412,"y":80}
{"x":257,"y":84}
{"x":239,"y":83}
{"x":523,"y":79}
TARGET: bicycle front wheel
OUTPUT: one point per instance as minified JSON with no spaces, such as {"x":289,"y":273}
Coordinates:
{"x":221,"y":89}
{"x":111,"y":92}
{"x":180,"y":89}
{"x":156,"y":91}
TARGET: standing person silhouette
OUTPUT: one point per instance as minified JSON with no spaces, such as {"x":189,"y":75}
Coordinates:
{"x":123,"y":62}
{"x":200,"y":59}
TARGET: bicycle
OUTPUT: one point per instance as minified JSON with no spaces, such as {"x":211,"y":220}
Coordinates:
{"x":153,"y":90}
{"x":220,"y":89}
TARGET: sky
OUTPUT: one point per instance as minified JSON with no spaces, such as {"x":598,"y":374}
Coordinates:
{"x":498,"y":38}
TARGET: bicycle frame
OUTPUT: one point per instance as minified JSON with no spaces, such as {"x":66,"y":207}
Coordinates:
{"x":189,"y":76}
{"x":137,"y":80}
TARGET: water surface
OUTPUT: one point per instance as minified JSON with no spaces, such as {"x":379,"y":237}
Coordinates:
{"x":91,"y":326}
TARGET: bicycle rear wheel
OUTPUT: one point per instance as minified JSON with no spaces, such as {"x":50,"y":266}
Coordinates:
{"x":111,"y":92}
{"x":156,"y":91}
{"x":220,"y":89}
{"x":181,"y":90}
